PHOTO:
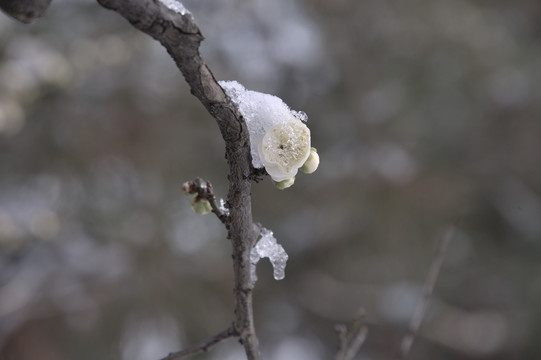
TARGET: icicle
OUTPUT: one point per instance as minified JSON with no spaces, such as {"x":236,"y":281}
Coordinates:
{"x":269,"y":248}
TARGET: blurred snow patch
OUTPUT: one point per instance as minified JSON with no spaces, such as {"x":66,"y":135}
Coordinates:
{"x":25,"y":285}
{"x":11,"y":117}
{"x":267,"y":42}
{"x":11,"y":233}
{"x":393,"y":164}
{"x":139,"y":227}
{"x":461,"y":250}
{"x":228,"y":351}
{"x":399,"y":300}
{"x":509,"y":87}
{"x":44,"y":224}
{"x":297,"y":348}
{"x":482,"y":332}
{"x":32,"y":64}
{"x":188,"y":233}
{"x":381,"y":103}
{"x":84,"y":255}
{"x":149,"y":338}
{"x":280,"y":317}
{"x":478,"y":333}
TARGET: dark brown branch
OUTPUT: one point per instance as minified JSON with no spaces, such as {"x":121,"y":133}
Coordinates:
{"x":181,"y":37}
{"x":25,"y":11}
{"x":428,"y":288}
{"x":203,"y":346}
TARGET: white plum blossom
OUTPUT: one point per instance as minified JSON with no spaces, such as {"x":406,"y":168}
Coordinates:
{"x":284,"y":149}
{"x":280,"y":141}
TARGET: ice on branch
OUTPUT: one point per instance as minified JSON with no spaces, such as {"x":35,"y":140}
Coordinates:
{"x":269,"y":248}
{"x":176,"y":6}
{"x":280,"y":141}
{"x":222,"y":208}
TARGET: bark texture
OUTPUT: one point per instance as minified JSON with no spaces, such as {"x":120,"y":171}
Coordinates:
{"x":25,"y":11}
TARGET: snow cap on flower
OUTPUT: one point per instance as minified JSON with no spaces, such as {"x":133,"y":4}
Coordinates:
{"x":279,"y":139}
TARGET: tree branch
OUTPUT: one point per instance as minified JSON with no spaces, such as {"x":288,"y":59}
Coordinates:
{"x":350,"y":340}
{"x":25,"y":11}
{"x":420,"y":310}
{"x":179,"y":34}
{"x":203,"y":346}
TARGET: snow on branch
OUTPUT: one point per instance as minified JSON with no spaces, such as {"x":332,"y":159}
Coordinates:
{"x":175,"y":6}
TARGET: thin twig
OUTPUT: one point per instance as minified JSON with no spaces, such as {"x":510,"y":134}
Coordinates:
{"x":428,"y":287}
{"x":203,"y":346}
{"x":205,"y":191}
{"x":350,"y":340}
{"x":342,"y":333}
{"x":356,"y":343}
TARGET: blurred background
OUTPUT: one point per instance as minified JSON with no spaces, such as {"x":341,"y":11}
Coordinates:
{"x":425,"y":114}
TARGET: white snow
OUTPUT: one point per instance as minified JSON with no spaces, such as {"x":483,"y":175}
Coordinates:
{"x":222,"y":207}
{"x":263,"y":113}
{"x":269,"y":248}
{"x":176,"y":6}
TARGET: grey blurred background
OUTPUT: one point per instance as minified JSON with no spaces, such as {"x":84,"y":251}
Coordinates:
{"x":425,"y":113}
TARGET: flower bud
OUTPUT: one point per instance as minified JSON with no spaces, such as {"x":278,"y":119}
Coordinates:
{"x":188,"y":188}
{"x":311,"y":163}
{"x":201,"y":206}
{"x":284,"y":184}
